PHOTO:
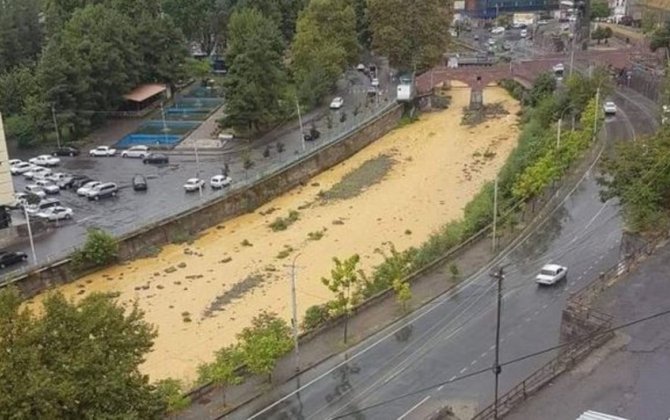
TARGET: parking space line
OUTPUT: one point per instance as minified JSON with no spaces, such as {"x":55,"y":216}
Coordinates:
{"x":441,"y":386}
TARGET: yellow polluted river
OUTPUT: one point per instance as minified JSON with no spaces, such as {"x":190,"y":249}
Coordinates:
{"x":200,"y":295}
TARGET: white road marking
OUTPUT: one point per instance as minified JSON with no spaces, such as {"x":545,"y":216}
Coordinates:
{"x":452,"y":378}
{"x":441,"y":386}
{"x":473,"y":362}
{"x":463,"y":370}
{"x":545,"y":306}
{"x":492,"y":347}
{"x":483,"y":355}
{"x":527,"y":319}
{"x":414,"y":407}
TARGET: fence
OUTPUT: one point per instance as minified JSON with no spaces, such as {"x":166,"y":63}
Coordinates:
{"x":588,"y":328}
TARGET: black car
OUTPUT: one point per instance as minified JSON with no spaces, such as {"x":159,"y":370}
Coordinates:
{"x":11,"y":258}
{"x":139,"y":183}
{"x":156,"y":158}
{"x":79,"y":180}
{"x":66,"y":151}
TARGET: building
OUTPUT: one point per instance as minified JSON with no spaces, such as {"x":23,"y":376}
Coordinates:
{"x":490,"y":9}
{"x":6,"y":185}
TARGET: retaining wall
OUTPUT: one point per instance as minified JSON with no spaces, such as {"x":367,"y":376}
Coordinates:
{"x":214,"y":212}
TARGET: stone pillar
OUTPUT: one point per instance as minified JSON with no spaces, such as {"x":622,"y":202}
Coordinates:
{"x":476,"y":98}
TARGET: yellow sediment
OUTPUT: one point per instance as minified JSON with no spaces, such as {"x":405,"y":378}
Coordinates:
{"x":434,"y":177}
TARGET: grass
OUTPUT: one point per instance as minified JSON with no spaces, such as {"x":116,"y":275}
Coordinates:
{"x":355,"y":182}
{"x":246,"y":243}
{"x":285,"y":252}
{"x":282,"y":223}
{"x":316,"y":235}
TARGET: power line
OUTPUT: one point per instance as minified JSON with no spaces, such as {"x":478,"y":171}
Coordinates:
{"x":509,"y":362}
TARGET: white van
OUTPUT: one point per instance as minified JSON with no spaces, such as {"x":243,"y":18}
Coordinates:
{"x":42,"y":205}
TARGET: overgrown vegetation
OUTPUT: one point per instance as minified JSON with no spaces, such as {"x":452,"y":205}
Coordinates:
{"x":282,"y":223}
{"x":100,"y":249}
{"x":355,"y":182}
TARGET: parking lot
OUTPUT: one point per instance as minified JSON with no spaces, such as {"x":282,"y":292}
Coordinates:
{"x":165,"y":196}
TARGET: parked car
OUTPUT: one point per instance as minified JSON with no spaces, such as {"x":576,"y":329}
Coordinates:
{"x":559,"y":68}
{"x":609,"y":108}
{"x":61,"y":179}
{"x":336,"y":103}
{"x":375,"y":82}
{"x":11,"y":258}
{"x":194,"y":184}
{"x":102,"y":151}
{"x":20,"y":200}
{"x":551,"y":274}
{"x":56,"y":213}
{"x":79,"y":181}
{"x":13,"y":162}
{"x":34,"y":189}
{"x":156,"y":158}
{"x":524,"y":33}
{"x":220,"y":181}
{"x":48,"y":186}
{"x":45,"y":160}
{"x":107,"y":189}
{"x":360,"y":67}
{"x":37,"y":172}
{"x":84,"y":189}
{"x":136,"y":152}
{"x":66,"y":151}
{"x":20,"y":168}
{"x":139,"y":183}
{"x":33,"y":209}
{"x":498,"y":30}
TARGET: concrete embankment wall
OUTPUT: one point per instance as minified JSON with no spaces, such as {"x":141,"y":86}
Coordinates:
{"x":234,"y":204}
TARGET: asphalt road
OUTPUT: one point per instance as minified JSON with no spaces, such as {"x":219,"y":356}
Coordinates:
{"x":165,"y":196}
{"x":454,"y":335}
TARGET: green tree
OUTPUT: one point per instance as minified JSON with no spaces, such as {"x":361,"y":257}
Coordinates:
{"x":224,"y":370}
{"x":256,"y":82}
{"x":87,"y":67}
{"x":324,"y":44}
{"x":343,"y":278}
{"x":599,"y":9}
{"x":172,"y":392}
{"x":199,"y":69}
{"x":262,"y":344}
{"x":362,"y":23}
{"x":76,"y":360}
{"x":282,"y":12}
{"x":544,"y":85}
{"x":59,"y":12}
{"x":660,"y":38}
{"x":15,"y":86}
{"x":162,"y":48}
{"x":601,"y":33}
{"x":21,"y":34}
{"x":403,"y":293}
{"x":201,"y":21}
{"x":100,"y":249}
{"x":412,"y":36}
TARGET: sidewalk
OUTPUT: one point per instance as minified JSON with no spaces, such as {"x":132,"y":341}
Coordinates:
{"x":628,"y":377}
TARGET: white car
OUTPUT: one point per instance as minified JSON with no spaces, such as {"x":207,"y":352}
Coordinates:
{"x":37,"y":172}
{"x":336,"y":103}
{"x":20,"y":168}
{"x":102,"y":151}
{"x":375,"y":82}
{"x":492,"y":41}
{"x":136,"y":152}
{"x":194,"y":184}
{"x":88,"y":187}
{"x":13,"y":162}
{"x":220,"y":181}
{"x":498,"y":30}
{"x":45,"y":160}
{"x":523,"y":33}
{"x":36,"y":190}
{"x":559,"y":68}
{"x":609,"y":108}
{"x":56,"y":213}
{"x":360,"y":67}
{"x":48,"y":186}
{"x":551,"y":274}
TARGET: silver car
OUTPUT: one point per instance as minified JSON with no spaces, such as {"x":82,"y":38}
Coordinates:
{"x":551,"y":274}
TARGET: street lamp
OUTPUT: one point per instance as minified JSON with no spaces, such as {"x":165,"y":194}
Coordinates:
{"x":30,"y":233}
{"x":294,"y":305}
{"x":558,"y":128}
{"x":302,"y":133}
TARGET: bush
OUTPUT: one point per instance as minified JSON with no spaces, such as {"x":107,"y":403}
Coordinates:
{"x":171,"y":393}
{"x":315,"y":316}
{"x":99,"y":250}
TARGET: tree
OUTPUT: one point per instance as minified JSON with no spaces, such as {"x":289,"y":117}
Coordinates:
{"x":76,"y":360}
{"x":162,"y":48}
{"x":199,"y":69}
{"x":324,"y":44}
{"x":262,"y":344}
{"x":21,"y":34}
{"x":256,"y":81}
{"x":544,"y":85}
{"x":362,"y":23}
{"x":412,"y":36}
{"x":343,"y":278}
{"x":282,"y":12}
{"x":99,"y":249}
{"x":59,"y":12}
{"x":601,"y":33}
{"x":15,"y":86}
{"x":171,"y":391}
{"x":403,"y":293}
{"x":88,"y":66}
{"x":660,"y":38}
{"x":201,"y":21}
{"x":599,"y":9}
{"x":225,"y":370}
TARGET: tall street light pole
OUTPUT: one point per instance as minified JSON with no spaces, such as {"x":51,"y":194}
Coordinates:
{"x":53,"y":115}
{"x":294,"y":321}
{"x":498,"y":276}
{"x":30,"y":234}
{"x":302,"y":132}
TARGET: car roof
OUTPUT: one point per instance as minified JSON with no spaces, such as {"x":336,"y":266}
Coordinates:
{"x":552,"y":267}
{"x":192,"y":180}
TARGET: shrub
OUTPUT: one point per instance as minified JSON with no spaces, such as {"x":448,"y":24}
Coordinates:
{"x":315,"y":316}
{"x":99,"y":249}
{"x":171,"y":393}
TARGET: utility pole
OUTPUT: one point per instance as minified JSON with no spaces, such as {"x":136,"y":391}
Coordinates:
{"x":30,"y":234}
{"x":53,"y":115}
{"x":495,"y":212}
{"x":498,"y":276}
{"x":595,"y":118}
{"x":558,"y":134}
{"x":302,"y":133}
{"x":294,"y":321}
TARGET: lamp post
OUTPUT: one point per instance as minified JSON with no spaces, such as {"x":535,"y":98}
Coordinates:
{"x":30,"y":234}
{"x":294,"y":321}
{"x":302,"y":133}
{"x":53,"y":115}
{"x":558,"y":128}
